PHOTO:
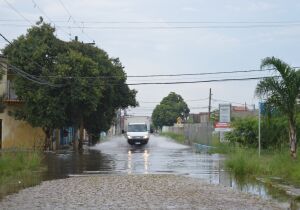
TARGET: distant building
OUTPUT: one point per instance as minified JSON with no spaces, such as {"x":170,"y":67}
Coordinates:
{"x":201,"y":117}
{"x":243,"y":111}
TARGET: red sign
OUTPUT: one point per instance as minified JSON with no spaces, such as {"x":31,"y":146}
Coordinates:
{"x":222,"y":125}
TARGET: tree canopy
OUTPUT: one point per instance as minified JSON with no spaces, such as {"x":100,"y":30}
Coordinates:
{"x":79,"y":84}
{"x":169,"y":109}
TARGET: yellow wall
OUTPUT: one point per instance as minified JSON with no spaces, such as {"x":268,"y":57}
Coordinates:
{"x":16,"y":133}
{"x":19,"y":134}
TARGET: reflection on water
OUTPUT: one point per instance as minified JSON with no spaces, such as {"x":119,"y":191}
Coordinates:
{"x":159,"y":156}
{"x":129,"y":162}
{"x":135,"y":165}
{"x":146,"y":163}
{"x":64,"y":163}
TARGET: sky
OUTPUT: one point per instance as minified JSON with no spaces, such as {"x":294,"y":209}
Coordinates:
{"x":174,"y":37}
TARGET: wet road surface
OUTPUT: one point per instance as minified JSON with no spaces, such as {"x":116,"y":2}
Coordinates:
{"x":160,"y":156}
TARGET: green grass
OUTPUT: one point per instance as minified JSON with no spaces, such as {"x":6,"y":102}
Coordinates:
{"x":18,"y":170}
{"x":220,"y":148}
{"x":243,"y":162}
{"x":246,"y":162}
{"x":177,"y":137}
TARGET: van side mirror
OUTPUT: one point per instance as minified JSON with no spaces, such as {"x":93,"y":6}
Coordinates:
{"x":151,"y":130}
{"x":123,"y":131}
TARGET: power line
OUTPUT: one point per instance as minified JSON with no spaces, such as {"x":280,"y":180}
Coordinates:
{"x":205,"y":73}
{"x":189,"y":100}
{"x":28,"y":58}
{"x":39,"y":8}
{"x":166,"y":22}
{"x":30,"y":77}
{"x":75,"y":22}
{"x":164,"y":75}
{"x":26,"y":75}
{"x":17,"y":11}
{"x":186,"y":27}
{"x":201,"y":81}
{"x":189,"y":74}
{"x":169,"y":27}
{"x":151,"y":108}
{"x":220,"y":100}
{"x":5,"y":39}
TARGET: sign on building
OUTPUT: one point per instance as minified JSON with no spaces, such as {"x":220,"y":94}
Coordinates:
{"x":224,"y":110}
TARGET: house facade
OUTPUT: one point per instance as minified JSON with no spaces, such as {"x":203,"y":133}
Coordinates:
{"x":15,"y":133}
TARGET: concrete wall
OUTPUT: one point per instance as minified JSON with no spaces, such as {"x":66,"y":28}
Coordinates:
{"x":200,"y":133}
{"x":19,"y":134}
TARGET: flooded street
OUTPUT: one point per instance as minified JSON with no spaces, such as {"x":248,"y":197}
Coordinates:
{"x":159,"y":156}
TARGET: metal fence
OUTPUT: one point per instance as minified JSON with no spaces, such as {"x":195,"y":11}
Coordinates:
{"x":200,"y":133}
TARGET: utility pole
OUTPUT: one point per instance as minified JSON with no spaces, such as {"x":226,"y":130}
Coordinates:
{"x":209,"y":104}
{"x":259,"y":135}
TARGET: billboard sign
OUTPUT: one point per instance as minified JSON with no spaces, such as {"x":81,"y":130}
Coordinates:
{"x":225,"y":110}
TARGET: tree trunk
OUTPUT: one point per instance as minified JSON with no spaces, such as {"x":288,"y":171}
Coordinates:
{"x":47,"y":139}
{"x":75,"y":138}
{"x":80,"y":142}
{"x":293,"y":138}
{"x":94,"y":139}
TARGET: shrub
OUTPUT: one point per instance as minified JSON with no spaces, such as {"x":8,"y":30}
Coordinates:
{"x":274,"y":133}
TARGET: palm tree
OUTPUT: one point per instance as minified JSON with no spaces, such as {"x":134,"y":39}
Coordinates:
{"x":281,"y":92}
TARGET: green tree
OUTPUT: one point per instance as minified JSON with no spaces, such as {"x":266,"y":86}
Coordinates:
{"x":109,"y":79}
{"x":41,"y":107}
{"x":92,"y":85}
{"x":169,"y":109}
{"x":80,"y":94}
{"x":281,"y":93}
{"x":116,"y":95}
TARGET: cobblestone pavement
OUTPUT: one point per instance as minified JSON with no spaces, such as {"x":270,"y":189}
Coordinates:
{"x":132,"y":192}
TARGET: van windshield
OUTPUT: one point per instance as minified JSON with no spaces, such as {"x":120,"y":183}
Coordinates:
{"x":137,"y":128}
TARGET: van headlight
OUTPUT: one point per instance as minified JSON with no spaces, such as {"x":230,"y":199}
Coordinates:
{"x":129,"y":137}
{"x":146,"y":137}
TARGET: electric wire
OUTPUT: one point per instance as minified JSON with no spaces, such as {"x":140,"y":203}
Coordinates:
{"x":201,"y":81}
{"x":220,"y":100}
{"x":189,"y":100}
{"x":30,"y":77}
{"x":171,"y":22}
{"x":253,"y":26}
{"x":26,"y":75}
{"x":74,"y":20}
{"x":42,"y":11}
{"x":176,"y":82}
{"x":165,"y":27}
{"x":17,"y":11}
{"x":166,"y":75}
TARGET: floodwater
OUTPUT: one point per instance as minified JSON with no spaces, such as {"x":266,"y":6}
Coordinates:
{"x":160,"y":156}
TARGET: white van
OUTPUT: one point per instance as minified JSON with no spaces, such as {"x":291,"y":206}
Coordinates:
{"x":137,"y":133}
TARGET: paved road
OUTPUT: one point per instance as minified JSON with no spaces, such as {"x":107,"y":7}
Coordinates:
{"x":132,"y":192}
